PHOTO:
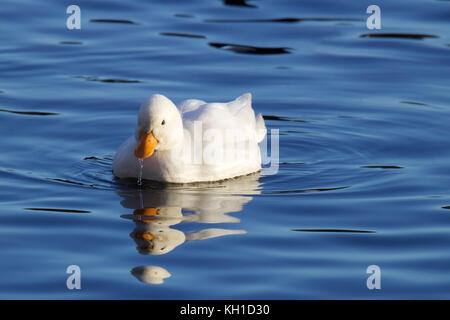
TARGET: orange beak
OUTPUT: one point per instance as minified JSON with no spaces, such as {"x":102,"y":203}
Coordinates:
{"x":146,"y":146}
{"x":146,"y":212}
{"x":144,"y":235}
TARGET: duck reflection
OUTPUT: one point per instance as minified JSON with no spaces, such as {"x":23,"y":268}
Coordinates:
{"x":156,"y":210}
{"x":153,"y":233}
{"x":150,"y":274}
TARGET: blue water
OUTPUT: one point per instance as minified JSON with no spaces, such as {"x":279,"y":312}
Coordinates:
{"x":364,"y":175}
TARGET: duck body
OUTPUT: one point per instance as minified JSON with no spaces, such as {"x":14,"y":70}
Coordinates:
{"x":195,"y":141}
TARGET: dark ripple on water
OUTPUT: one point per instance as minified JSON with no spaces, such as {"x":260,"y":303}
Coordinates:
{"x":29,"y":113}
{"x":71,"y":42}
{"x":120,"y":21}
{"x":414,"y":36}
{"x":239,"y":48}
{"x":58,"y":210}
{"x":183,"y":35}
{"x":240,"y":3}
{"x":334,"y":230}
{"x":107,"y":80}
{"x":282,"y":20}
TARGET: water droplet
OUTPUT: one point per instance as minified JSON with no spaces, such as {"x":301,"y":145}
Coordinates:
{"x":141,"y":200}
{"x":141,"y":166}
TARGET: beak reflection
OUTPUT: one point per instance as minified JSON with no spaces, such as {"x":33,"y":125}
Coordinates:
{"x":156,"y":212}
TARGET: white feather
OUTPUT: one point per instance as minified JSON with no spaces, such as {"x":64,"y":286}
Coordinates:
{"x":235,"y":119}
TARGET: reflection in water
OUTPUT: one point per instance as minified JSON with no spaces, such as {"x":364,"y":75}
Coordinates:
{"x":150,"y":274}
{"x":153,"y":234}
{"x":156,"y":210}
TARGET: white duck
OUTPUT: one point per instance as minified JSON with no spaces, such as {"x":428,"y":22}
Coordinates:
{"x":194,"y":142}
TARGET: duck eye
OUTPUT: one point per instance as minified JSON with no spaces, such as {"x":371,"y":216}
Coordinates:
{"x":163,"y":122}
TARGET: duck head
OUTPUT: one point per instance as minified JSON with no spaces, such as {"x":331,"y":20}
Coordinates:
{"x":159,"y":126}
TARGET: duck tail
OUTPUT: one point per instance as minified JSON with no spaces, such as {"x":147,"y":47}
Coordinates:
{"x":260,"y":128}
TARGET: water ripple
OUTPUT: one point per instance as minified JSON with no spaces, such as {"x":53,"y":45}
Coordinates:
{"x":415,"y":36}
{"x":30,"y":113}
{"x":238,"y":48}
{"x":120,"y":21}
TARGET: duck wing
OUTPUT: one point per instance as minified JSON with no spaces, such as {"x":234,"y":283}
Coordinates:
{"x":237,"y":114}
{"x":189,"y":105}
